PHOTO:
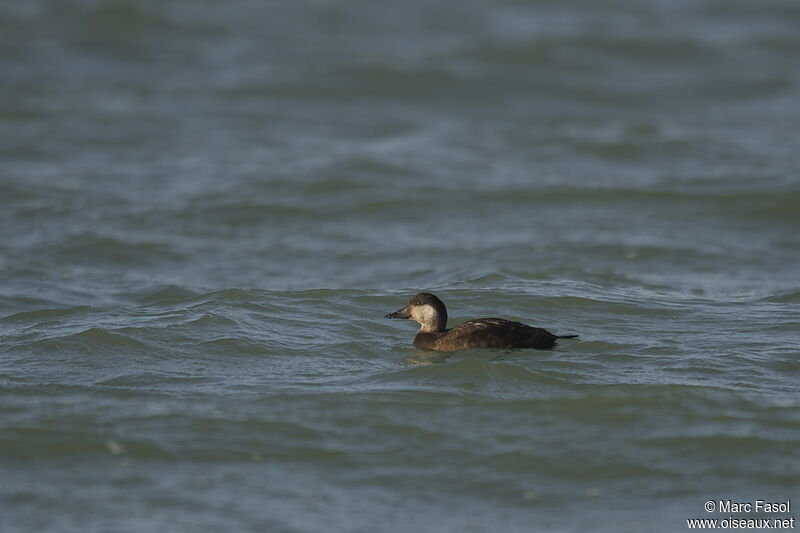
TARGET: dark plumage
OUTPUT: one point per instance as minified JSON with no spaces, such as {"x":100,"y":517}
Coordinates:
{"x":431,"y":314}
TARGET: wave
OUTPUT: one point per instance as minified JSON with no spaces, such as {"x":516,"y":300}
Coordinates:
{"x":790,"y":297}
{"x":113,"y":250}
{"x":93,"y":341}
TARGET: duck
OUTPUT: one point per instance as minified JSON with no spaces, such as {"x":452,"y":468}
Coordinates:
{"x":431,"y":314}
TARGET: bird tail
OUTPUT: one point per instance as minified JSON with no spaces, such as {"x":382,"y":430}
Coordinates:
{"x":567,"y":336}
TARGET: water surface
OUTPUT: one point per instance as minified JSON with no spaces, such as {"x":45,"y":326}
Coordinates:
{"x":206,"y":210}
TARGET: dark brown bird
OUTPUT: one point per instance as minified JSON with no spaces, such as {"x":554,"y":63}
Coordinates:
{"x":431,"y":314}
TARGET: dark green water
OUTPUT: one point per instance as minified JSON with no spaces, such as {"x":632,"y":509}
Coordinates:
{"x":206,"y":209}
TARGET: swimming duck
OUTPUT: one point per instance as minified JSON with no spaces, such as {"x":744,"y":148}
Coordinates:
{"x":431,"y":314}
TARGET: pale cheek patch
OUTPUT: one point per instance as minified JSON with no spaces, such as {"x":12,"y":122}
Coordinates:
{"x":427,"y":314}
